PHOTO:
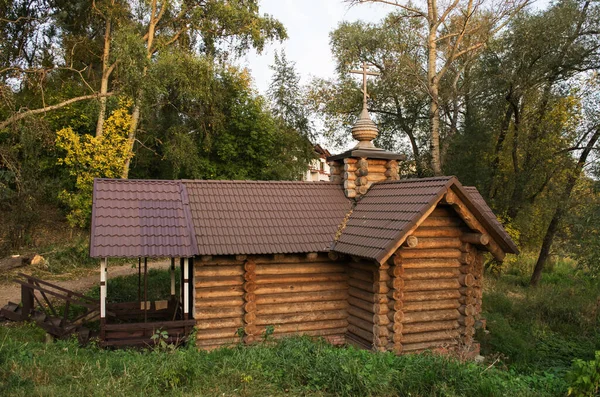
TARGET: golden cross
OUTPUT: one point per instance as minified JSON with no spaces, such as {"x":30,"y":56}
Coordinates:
{"x":365,"y":71}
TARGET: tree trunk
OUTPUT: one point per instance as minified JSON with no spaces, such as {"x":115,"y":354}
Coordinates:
{"x":135,"y":116}
{"x":105,"y":75}
{"x":561,"y":210}
{"x":434,"y":109}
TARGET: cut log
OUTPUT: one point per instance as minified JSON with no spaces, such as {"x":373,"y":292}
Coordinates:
{"x":219,"y":323}
{"x":429,"y":273}
{"x":301,"y":317}
{"x":431,"y":285}
{"x":430,"y":336}
{"x":415,"y":263}
{"x":437,"y":232}
{"x":414,"y":347}
{"x":206,"y":282}
{"x":429,"y":326}
{"x":396,"y":271}
{"x":216,"y":292}
{"x":281,"y":288}
{"x":396,"y":317}
{"x":466,"y":321}
{"x":300,"y":307}
{"x":396,"y":295}
{"x":431,"y":305}
{"x":300,"y":278}
{"x":431,"y":295}
{"x":431,"y":315}
{"x":475,"y":238}
{"x":360,"y":323}
{"x":395,"y":304}
{"x":218,"y":271}
{"x":316,"y":296}
{"x":467,"y":310}
{"x":219,"y":302}
{"x":299,"y":268}
{"x":361,"y":333}
{"x":411,"y":241}
{"x":466,"y":280}
{"x":222,"y":312}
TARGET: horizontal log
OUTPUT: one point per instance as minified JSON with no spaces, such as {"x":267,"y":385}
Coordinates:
{"x":301,"y":317}
{"x":415,"y":263}
{"x":219,"y":302}
{"x":360,"y":313}
{"x":443,"y":211}
{"x":364,"y":295}
{"x":438,"y":243}
{"x":375,"y":177}
{"x":467,"y":300}
{"x":361,"y":275}
{"x":361,"y":304}
{"x":438,"y":232}
{"x":217,"y":292}
{"x":359,"y":322}
{"x":361,"y":333}
{"x":475,"y":238}
{"x":228,"y":260}
{"x":431,"y":253}
{"x":381,"y":275}
{"x":415,"y":347}
{"x":299,"y":307}
{"x":303,"y":287}
{"x":430,"y":295}
{"x":431,"y":315}
{"x":211,"y":344}
{"x":207,"y":282}
{"x":430,"y":336}
{"x":316,"y":332}
{"x":311,"y":325}
{"x":218,"y":271}
{"x":294,"y":296}
{"x":362,"y":285}
{"x":213,"y":334}
{"x":431,"y":285}
{"x":219,"y":323}
{"x":429,"y":326}
{"x":431,"y":273}
{"x":300,"y":278}
{"x":431,"y":305}
{"x":365,"y":266}
{"x":442,"y":221}
{"x":380,"y":287}
{"x":221,"y":312}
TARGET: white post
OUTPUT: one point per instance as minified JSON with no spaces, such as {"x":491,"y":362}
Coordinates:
{"x":103,"y":272}
{"x":186,"y":289}
{"x":172,"y":277}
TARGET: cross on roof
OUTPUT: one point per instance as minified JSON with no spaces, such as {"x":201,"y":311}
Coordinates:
{"x":365,"y":72}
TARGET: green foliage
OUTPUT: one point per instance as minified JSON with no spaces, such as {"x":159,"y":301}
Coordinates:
{"x":584,"y":378}
{"x":293,"y":366}
{"x":88,"y":157}
{"x":545,"y":328}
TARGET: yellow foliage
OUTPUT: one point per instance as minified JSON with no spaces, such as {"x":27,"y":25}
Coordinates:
{"x":88,"y":157}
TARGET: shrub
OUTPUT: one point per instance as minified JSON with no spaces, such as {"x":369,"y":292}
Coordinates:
{"x":584,"y":378}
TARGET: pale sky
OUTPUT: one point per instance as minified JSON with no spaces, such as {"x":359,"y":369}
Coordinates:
{"x":308,"y":23}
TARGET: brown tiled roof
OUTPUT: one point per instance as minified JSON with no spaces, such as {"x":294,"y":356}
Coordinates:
{"x":253,"y":217}
{"x":390,"y":209}
{"x":386,"y":213}
{"x":479,"y":201}
{"x":135,"y":218}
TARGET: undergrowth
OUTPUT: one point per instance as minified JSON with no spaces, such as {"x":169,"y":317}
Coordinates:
{"x":294,"y":366}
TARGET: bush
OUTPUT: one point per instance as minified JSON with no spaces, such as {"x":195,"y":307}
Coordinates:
{"x":584,"y":378}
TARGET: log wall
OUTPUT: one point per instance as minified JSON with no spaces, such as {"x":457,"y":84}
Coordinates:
{"x":294,"y":294}
{"x":363,"y":303}
{"x":440,"y":280}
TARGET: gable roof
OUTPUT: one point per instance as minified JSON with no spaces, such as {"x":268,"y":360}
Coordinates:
{"x":134,"y":218}
{"x":390,"y":209}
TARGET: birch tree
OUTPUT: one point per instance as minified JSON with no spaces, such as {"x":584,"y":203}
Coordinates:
{"x":450,"y":29}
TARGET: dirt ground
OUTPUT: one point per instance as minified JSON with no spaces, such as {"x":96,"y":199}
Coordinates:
{"x":12,"y":291}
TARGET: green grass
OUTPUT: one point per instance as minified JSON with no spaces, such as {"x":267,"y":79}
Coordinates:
{"x":295,"y":366}
{"x":544,"y":328}
{"x":533,"y":336}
